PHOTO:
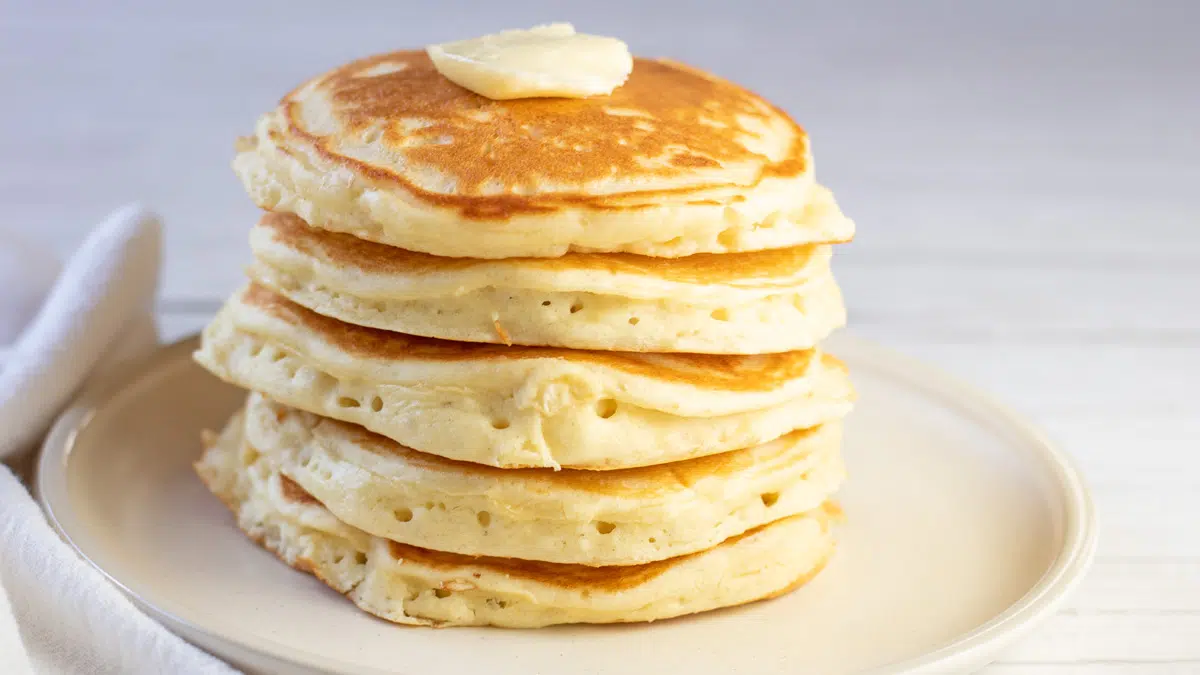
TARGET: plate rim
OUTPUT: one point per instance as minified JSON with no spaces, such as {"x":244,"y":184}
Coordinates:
{"x":1065,"y":572}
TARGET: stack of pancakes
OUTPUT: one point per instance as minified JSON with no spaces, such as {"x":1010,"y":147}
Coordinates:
{"x":534,"y":361}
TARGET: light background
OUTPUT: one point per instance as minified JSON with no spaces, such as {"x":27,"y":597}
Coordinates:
{"x":1025,"y":176}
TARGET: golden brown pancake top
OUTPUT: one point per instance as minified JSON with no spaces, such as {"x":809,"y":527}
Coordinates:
{"x":701,"y":268}
{"x":668,"y":122}
{"x":732,"y":372}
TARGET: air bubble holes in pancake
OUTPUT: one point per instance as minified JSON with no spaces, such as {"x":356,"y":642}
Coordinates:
{"x":606,"y":408}
{"x":728,"y":237}
{"x":318,"y":391}
{"x":540,"y":318}
{"x":259,"y":351}
{"x":249,"y":455}
{"x":767,"y":223}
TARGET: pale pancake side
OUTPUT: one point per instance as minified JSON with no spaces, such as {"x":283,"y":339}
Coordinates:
{"x":689,"y":384}
{"x":415,"y":586}
{"x":525,"y":407}
{"x":744,"y":303}
{"x":622,"y":517}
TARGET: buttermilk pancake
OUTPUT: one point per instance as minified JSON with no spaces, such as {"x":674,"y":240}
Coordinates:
{"x":519,"y":406}
{"x":417,"y":586}
{"x":737,"y":303}
{"x":596,"y":518}
{"x":673,"y":162}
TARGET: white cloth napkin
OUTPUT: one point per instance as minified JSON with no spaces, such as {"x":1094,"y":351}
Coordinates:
{"x":57,"y":613}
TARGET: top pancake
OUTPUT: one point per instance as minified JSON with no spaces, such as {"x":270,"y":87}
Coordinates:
{"x":674,"y":162}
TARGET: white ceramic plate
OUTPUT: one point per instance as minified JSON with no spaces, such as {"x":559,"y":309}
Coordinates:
{"x":965,"y":526}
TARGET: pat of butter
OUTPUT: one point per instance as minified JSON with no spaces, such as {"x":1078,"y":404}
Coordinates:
{"x":544,"y":61}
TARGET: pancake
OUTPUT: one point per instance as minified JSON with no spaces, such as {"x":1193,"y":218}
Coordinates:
{"x":519,"y":406}
{"x":621,"y":517}
{"x":738,"y":303}
{"x":675,"y":162}
{"x":416,"y":586}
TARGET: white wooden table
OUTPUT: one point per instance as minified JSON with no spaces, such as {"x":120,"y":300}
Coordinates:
{"x":1025,"y":176}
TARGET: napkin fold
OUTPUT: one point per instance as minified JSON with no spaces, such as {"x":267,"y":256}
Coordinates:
{"x":106,"y":289}
{"x":58,"y":614}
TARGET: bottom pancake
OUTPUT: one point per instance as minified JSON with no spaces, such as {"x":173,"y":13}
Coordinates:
{"x":416,"y":586}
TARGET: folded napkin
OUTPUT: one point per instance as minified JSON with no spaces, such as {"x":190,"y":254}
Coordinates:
{"x":57,"y":613}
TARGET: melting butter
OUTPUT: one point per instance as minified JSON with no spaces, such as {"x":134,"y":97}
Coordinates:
{"x":544,"y":61}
